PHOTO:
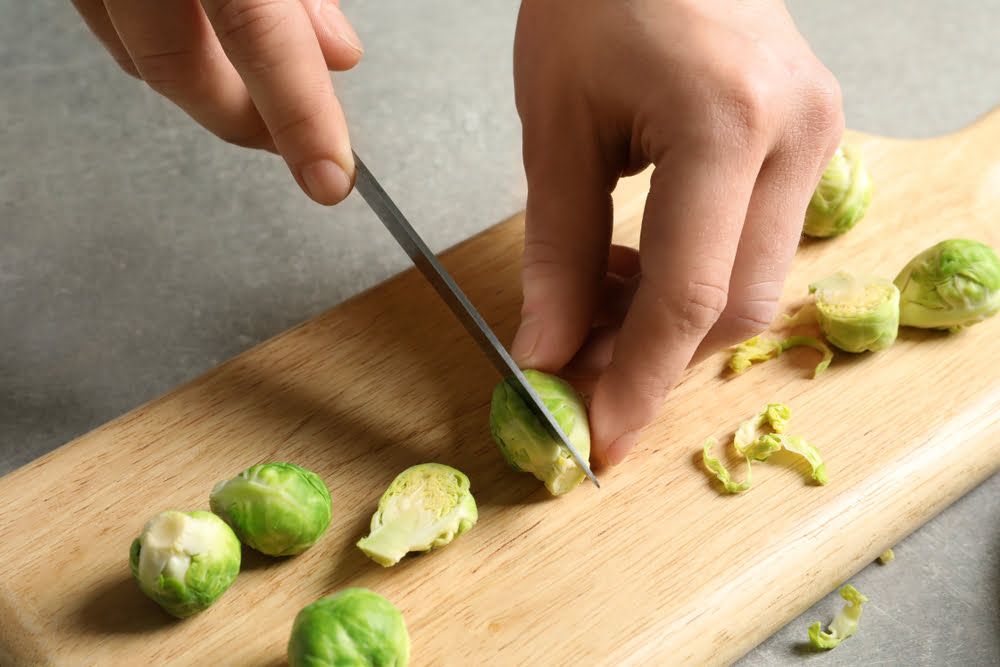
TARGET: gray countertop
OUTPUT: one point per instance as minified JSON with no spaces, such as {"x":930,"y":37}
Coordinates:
{"x":137,"y":252}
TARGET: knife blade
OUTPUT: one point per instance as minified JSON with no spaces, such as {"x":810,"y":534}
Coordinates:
{"x":427,"y":263}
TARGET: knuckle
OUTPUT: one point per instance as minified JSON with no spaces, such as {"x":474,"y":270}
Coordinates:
{"x":744,"y":105}
{"x":825,"y":111}
{"x":170,"y":72}
{"x":302,"y":122}
{"x":750,"y":319}
{"x":244,"y":25}
{"x":698,"y":307}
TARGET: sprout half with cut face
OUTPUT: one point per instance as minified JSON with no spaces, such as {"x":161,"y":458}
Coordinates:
{"x":857,"y":313}
{"x":185,"y":560}
{"x":425,"y":507}
{"x":354,"y":627}
{"x":525,"y":442}
{"x":951,"y":285}
{"x":842,"y":196}
{"x":279,"y":509}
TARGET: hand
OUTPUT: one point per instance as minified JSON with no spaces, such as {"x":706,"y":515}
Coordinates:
{"x":253,"y":72}
{"x":739,"y":118}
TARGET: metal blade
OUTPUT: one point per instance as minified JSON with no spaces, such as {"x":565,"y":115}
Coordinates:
{"x":441,"y":280}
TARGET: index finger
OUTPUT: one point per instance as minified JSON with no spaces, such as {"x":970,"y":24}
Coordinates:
{"x":690,"y":233}
{"x":273,"y":46}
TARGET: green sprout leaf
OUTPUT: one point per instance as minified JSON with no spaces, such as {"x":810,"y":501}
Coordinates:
{"x":857,"y":313}
{"x":425,"y":507}
{"x":279,"y":509}
{"x":524,"y":441}
{"x":759,"y":348}
{"x":184,"y":561}
{"x":720,"y":471}
{"x":844,"y":624}
{"x":951,"y":285}
{"x":842,"y":196}
{"x":354,"y":627}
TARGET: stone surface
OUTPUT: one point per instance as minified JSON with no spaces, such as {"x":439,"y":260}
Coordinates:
{"x":137,"y":252}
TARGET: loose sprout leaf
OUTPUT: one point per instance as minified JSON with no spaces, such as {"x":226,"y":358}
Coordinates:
{"x":842,"y":196}
{"x":886,"y":557}
{"x":951,"y":285}
{"x":753,"y":446}
{"x":805,"y":315}
{"x":716,"y":466}
{"x":844,"y":624}
{"x":776,"y":441}
{"x":759,"y":348}
{"x":425,"y":507}
{"x":857,"y":313}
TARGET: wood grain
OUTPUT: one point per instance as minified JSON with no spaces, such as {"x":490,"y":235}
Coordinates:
{"x":655,"y":568}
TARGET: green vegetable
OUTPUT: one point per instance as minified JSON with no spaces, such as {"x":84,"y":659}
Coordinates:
{"x":842,"y":196}
{"x":753,"y":446}
{"x":762,"y":349}
{"x":951,"y":285}
{"x":857,"y":313}
{"x":354,"y":628}
{"x":426,"y":506}
{"x":524,"y":441}
{"x":185,"y":560}
{"x":279,"y":509}
{"x":887,"y":557}
{"x":844,"y":624}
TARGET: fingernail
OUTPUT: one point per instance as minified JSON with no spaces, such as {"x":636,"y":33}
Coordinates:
{"x":620,"y":448}
{"x":526,"y":339}
{"x":326,"y":182}
{"x":340,"y":26}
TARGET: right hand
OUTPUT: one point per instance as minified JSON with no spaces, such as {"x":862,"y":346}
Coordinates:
{"x":253,"y":72}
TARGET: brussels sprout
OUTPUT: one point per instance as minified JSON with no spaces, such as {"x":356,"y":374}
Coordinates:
{"x":761,"y":349}
{"x":279,"y":509}
{"x":842,"y":196}
{"x":426,"y":506}
{"x":844,"y":624}
{"x":857,"y":313}
{"x":185,"y":560}
{"x":951,"y":285}
{"x":355,"y":627}
{"x":525,"y":442}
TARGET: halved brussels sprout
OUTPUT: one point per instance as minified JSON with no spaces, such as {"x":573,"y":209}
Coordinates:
{"x":525,"y":442}
{"x":951,"y":285}
{"x":354,"y":627}
{"x":425,"y":507}
{"x":842,"y":196}
{"x":857,"y":313}
{"x":279,"y":509}
{"x":185,"y":560}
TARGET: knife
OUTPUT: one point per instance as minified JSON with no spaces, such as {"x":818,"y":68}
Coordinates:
{"x":439,"y":278}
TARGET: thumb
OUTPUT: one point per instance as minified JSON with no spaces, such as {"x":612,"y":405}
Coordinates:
{"x":567,"y":236}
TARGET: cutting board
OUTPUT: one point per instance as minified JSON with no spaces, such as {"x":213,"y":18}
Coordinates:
{"x":656,"y":567}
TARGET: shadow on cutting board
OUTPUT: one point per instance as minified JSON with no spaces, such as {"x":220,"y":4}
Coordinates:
{"x":117,"y":606}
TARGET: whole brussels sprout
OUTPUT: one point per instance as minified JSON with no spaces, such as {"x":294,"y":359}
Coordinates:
{"x":842,"y":196}
{"x":279,"y":509}
{"x":355,"y":627}
{"x":857,"y":313}
{"x":525,"y":442}
{"x":185,"y":560}
{"x":951,"y":285}
{"x":425,"y":507}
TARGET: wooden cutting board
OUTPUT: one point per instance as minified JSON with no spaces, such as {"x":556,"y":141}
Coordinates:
{"x":655,"y":568}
